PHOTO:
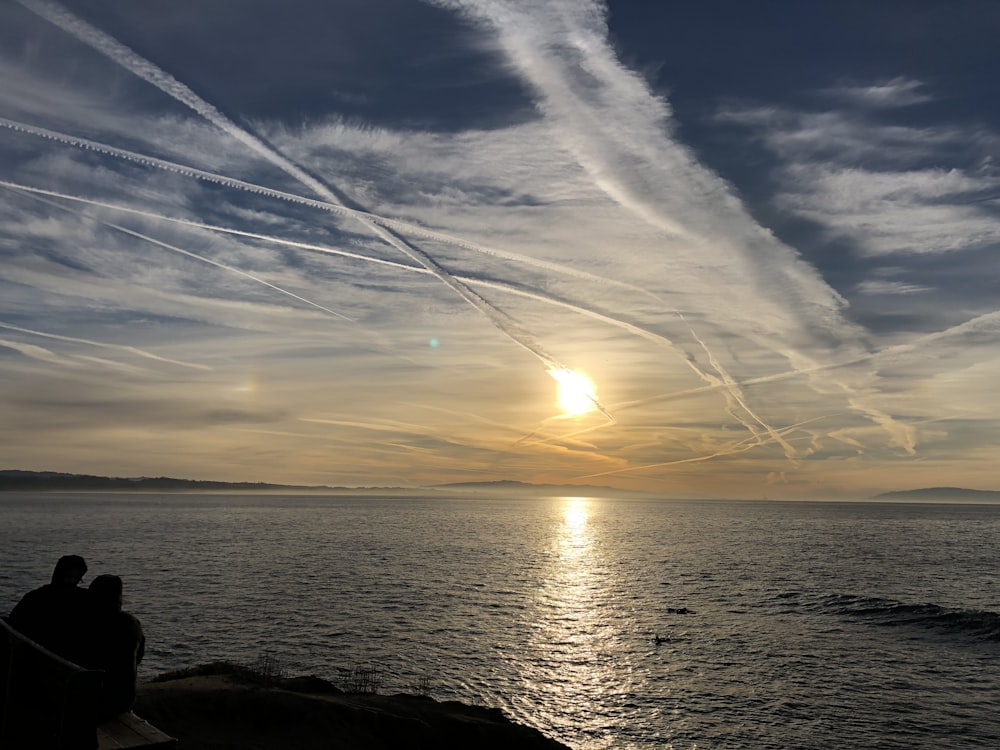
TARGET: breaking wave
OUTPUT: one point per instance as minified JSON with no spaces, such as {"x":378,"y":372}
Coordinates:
{"x":981,"y":625}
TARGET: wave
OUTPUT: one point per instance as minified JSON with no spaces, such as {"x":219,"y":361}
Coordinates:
{"x":981,"y":625}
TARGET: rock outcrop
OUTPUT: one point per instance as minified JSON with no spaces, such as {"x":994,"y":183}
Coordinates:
{"x":241,"y":711}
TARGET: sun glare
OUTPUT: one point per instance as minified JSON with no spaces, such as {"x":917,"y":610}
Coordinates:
{"x":576,"y":392}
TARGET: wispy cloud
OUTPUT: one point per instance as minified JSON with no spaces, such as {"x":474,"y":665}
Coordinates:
{"x":890,"y":189}
{"x":897,"y":92}
{"x":119,"y":347}
{"x":884,"y":286}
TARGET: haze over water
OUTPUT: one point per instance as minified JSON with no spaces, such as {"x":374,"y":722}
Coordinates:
{"x":781,"y":625}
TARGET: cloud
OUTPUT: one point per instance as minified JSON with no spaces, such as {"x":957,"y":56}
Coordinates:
{"x":884,"y":286}
{"x":894,"y":213}
{"x":35,"y":352}
{"x":605,"y":116}
{"x":118,"y":347}
{"x":897,"y":92}
{"x":869,"y":181}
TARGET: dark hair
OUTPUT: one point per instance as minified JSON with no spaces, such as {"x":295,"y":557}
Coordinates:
{"x":106,"y":591}
{"x":68,"y":564}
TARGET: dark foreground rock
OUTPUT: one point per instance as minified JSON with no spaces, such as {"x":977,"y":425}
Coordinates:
{"x":240,"y":712}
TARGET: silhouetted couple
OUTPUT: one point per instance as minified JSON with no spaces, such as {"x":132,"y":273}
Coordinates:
{"x":88,"y":627}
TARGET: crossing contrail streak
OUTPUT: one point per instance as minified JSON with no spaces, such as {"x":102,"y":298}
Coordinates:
{"x":733,"y":391}
{"x":727,"y":384}
{"x":328,"y":250}
{"x":39,"y":353}
{"x":204,"y":259}
{"x":742,"y":446}
{"x":210,"y":227}
{"x":102,"y":345}
{"x":500,"y":286}
{"x":627,"y":156}
{"x":143,"y":68}
{"x":130,"y":60}
{"x":986,"y":321}
{"x":546,"y":299}
{"x":45,"y":355}
{"x":225,"y":267}
{"x":335,"y":208}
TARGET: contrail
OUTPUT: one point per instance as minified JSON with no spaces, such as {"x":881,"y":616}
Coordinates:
{"x":503,"y":322}
{"x":464,"y":415}
{"x":727,"y":384}
{"x":397,"y":224}
{"x":143,"y":68}
{"x":526,"y":440}
{"x":169,"y":85}
{"x":988,"y":321}
{"x":45,"y":355}
{"x":210,"y":261}
{"x":389,"y":426}
{"x":734,"y":392}
{"x":501,"y":286}
{"x":211,"y":227}
{"x":225,"y":267}
{"x":741,"y":447}
{"x":122,"y":347}
{"x":615,"y":127}
{"x":36,"y":352}
{"x":382,"y":425}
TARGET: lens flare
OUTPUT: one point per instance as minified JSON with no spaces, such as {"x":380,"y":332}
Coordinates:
{"x":575,"y":392}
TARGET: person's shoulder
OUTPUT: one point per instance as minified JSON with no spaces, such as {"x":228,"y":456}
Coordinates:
{"x":31,"y":607}
{"x":134,"y":620}
{"x":35,"y":595}
{"x":129,"y":620}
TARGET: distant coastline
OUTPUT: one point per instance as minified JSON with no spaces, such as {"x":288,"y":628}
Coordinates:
{"x":940,"y":493}
{"x":53,"y":481}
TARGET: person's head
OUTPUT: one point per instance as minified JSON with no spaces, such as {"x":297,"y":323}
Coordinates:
{"x":69,"y":571}
{"x":106,"y":592}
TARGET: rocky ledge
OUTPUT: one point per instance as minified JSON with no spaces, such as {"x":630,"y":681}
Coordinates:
{"x":219,"y":708}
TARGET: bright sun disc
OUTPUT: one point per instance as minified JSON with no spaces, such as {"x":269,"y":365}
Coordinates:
{"x":576,"y":392}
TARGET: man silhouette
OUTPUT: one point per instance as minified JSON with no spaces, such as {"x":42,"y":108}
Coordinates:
{"x":54,"y":615}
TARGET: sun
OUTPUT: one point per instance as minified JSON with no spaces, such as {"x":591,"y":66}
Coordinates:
{"x":576,"y":392}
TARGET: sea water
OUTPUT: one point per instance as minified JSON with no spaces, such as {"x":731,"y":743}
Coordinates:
{"x":604,"y":623}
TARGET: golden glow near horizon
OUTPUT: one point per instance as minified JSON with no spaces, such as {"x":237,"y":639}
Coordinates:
{"x":576,"y":394}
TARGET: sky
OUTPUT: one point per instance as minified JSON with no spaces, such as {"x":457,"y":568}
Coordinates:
{"x":708,"y":248}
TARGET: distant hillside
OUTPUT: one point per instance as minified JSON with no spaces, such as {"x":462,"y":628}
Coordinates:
{"x":52,"y":480}
{"x":27,"y":481}
{"x":940,"y":493}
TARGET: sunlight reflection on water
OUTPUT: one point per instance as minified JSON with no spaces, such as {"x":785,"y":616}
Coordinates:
{"x":573,"y":627}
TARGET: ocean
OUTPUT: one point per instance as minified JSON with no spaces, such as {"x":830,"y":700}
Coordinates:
{"x":604,"y":623}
